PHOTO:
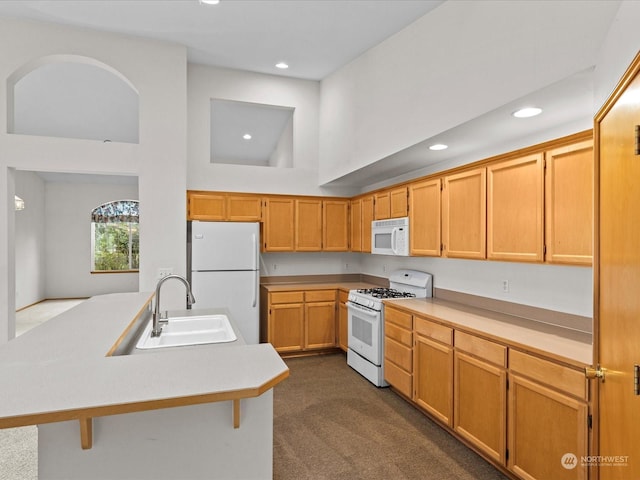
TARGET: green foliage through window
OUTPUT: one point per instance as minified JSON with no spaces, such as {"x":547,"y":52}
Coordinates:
{"x":116,"y":236}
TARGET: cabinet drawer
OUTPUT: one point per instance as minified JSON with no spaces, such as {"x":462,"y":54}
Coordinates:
{"x":398,"y":354}
{"x":484,"y":349}
{"x":286,"y":297}
{"x":320,"y":296}
{"x":434,"y":330}
{"x":403,"y":336}
{"x":398,"y":378}
{"x":398,"y":317}
{"x":557,"y":376}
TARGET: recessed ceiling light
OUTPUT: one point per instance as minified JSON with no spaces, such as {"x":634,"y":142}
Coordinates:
{"x":527,"y":112}
{"x":209,"y":2}
{"x":282,"y":65}
{"x":247,"y":136}
{"x":438,"y":146}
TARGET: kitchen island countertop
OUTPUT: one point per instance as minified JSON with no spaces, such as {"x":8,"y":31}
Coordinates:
{"x":61,"y":370}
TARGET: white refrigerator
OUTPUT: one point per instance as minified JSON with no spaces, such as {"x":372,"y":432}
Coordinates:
{"x":224,"y":271}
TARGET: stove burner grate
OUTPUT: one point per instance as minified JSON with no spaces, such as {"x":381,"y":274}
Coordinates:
{"x":382,"y":292}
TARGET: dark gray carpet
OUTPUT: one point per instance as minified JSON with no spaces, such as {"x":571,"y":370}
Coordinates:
{"x":331,"y":423}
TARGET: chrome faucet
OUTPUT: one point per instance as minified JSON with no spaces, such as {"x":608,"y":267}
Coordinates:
{"x":157,"y":315}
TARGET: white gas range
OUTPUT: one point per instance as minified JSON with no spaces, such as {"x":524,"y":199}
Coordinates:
{"x":366,"y":320}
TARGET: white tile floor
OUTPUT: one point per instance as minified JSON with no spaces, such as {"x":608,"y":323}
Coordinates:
{"x":39,"y":313}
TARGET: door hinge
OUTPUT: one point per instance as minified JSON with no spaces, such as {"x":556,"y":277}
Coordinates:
{"x":637,"y":148}
{"x":590,"y":421}
{"x":507,"y":384}
{"x":506,"y":454}
{"x":544,"y":249}
{"x":636,"y":379}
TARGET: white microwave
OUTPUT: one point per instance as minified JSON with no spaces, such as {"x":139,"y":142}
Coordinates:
{"x":390,"y":237}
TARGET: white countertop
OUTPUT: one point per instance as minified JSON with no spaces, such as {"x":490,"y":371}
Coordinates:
{"x":61,"y":366}
{"x":566,"y":345}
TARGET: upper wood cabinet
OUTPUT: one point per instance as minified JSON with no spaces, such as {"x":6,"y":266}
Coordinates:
{"x":278,"y":229}
{"x":367,"y":218}
{"x":515,"y":200}
{"x":214,"y":206}
{"x":569,"y":204}
{"x":424,"y":218}
{"x":355,"y":221}
{"x":335,"y":225}
{"x":464,"y":214}
{"x":391,"y":203}
{"x":308,"y":225}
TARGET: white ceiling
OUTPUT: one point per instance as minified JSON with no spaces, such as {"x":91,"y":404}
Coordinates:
{"x":314,"y":37}
{"x":317,"y":37}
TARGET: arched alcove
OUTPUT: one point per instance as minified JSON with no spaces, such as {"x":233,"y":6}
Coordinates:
{"x":72,"y":96}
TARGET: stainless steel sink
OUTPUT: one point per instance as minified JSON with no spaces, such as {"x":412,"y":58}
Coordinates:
{"x":190,"y":330}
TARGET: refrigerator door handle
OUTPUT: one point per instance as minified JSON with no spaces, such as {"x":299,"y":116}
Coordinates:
{"x":255,"y":249}
{"x":255,"y":289}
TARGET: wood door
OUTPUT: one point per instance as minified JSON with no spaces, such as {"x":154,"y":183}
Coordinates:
{"x":244,"y":208}
{"x":279,"y":225}
{"x":464,"y":214}
{"x":433,"y":378}
{"x":515,"y":201}
{"x":286,"y":326}
{"x":424,"y":218}
{"x":367,"y":218}
{"x":343,"y":325}
{"x":480,"y":399}
{"x":617,"y":274}
{"x":547,"y":433}
{"x":398,"y":202}
{"x":308,"y":225}
{"x":206,"y":206}
{"x":569,"y":204}
{"x":382,"y":205}
{"x":335,"y":225}
{"x":320,"y":322}
{"x":356,"y":225}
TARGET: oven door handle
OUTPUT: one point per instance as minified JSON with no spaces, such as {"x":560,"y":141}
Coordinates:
{"x":366,"y":311}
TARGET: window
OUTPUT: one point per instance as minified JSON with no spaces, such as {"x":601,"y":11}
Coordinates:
{"x":115,"y":237}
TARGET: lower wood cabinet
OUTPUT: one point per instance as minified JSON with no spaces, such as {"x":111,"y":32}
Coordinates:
{"x":343,"y":320}
{"x":299,"y":321}
{"x":480,"y":394}
{"x":433,"y":369}
{"x":548,"y":419}
{"x":525,"y":413}
{"x":398,"y":350}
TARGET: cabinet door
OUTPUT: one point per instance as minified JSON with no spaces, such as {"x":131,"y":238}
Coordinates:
{"x":464,"y":214}
{"x":279,"y":225}
{"x":433,"y":378}
{"x":398,"y":202}
{"x":308,"y":225}
{"x":569,"y":204}
{"x":244,"y":208}
{"x":286,"y":326}
{"x":424,"y":218}
{"x":515,"y":209}
{"x":367,"y":218}
{"x":545,"y":426}
{"x":343,"y":326}
{"x":206,"y":206}
{"x":356,"y":225}
{"x":320,"y":322}
{"x":480,"y":395}
{"x":382,"y":205}
{"x":335,"y":225}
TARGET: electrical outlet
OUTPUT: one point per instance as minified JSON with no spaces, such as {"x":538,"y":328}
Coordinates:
{"x":275,"y":267}
{"x":384,"y":268}
{"x":505,"y":286}
{"x":346,"y":267}
{"x":164,"y":272}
